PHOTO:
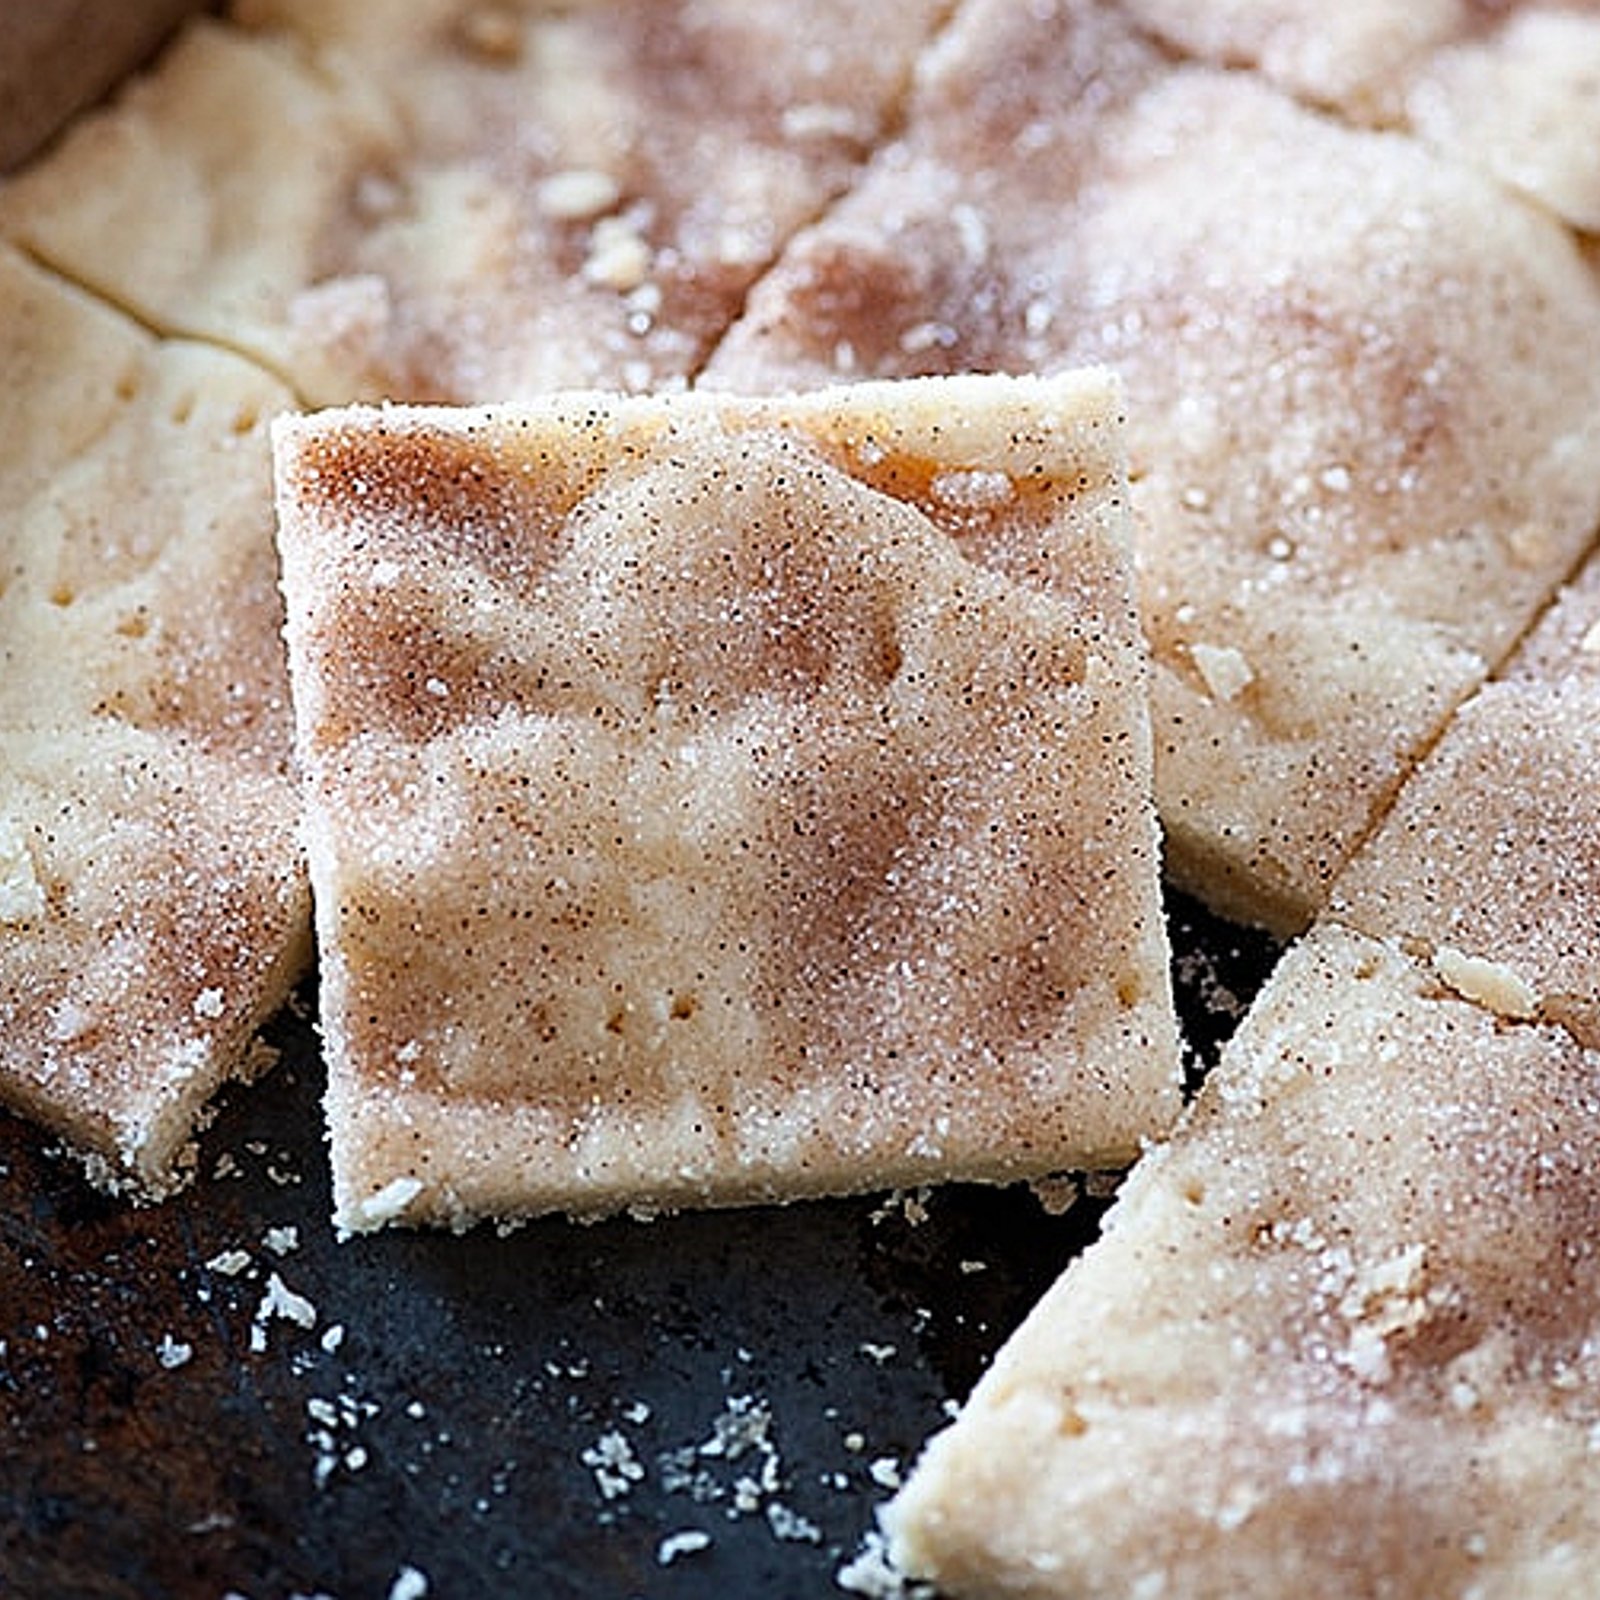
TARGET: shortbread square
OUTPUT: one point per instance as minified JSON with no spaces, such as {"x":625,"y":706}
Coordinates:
{"x":713,"y":801}
{"x":153,"y":904}
{"x":1339,"y":1337}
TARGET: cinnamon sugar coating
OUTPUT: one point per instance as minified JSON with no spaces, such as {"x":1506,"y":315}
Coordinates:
{"x":713,"y":801}
{"x":152,"y":904}
{"x":1510,"y":86}
{"x":458,"y":201}
{"x":1339,"y":1335}
{"x":1363,"y":383}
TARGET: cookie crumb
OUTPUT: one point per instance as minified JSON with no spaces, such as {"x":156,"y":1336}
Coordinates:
{"x":409,"y":1584}
{"x":173,"y":1353}
{"x":687,"y":1543}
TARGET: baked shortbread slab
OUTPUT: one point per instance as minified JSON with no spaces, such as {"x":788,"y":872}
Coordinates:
{"x":1510,"y":87}
{"x":713,"y":801}
{"x":447,"y":200}
{"x":1488,"y":867}
{"x":1340,"y":1336}
{"x":153,"y":908}
{"x":1349,"y":501}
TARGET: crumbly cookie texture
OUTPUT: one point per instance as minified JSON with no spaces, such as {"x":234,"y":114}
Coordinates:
{"x":1339,"y":1337}
{"x":460,"y":201}
{"x":715,"y":800}
{"x":152,"y":903}
{"x":1312,"y":323}
{"x":1433,"y":69}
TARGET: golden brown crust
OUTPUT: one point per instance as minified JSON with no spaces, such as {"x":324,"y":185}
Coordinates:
{"x":716,"y":800}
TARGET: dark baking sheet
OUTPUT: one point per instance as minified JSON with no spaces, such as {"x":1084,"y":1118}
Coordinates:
{"x":539,"y":1413}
